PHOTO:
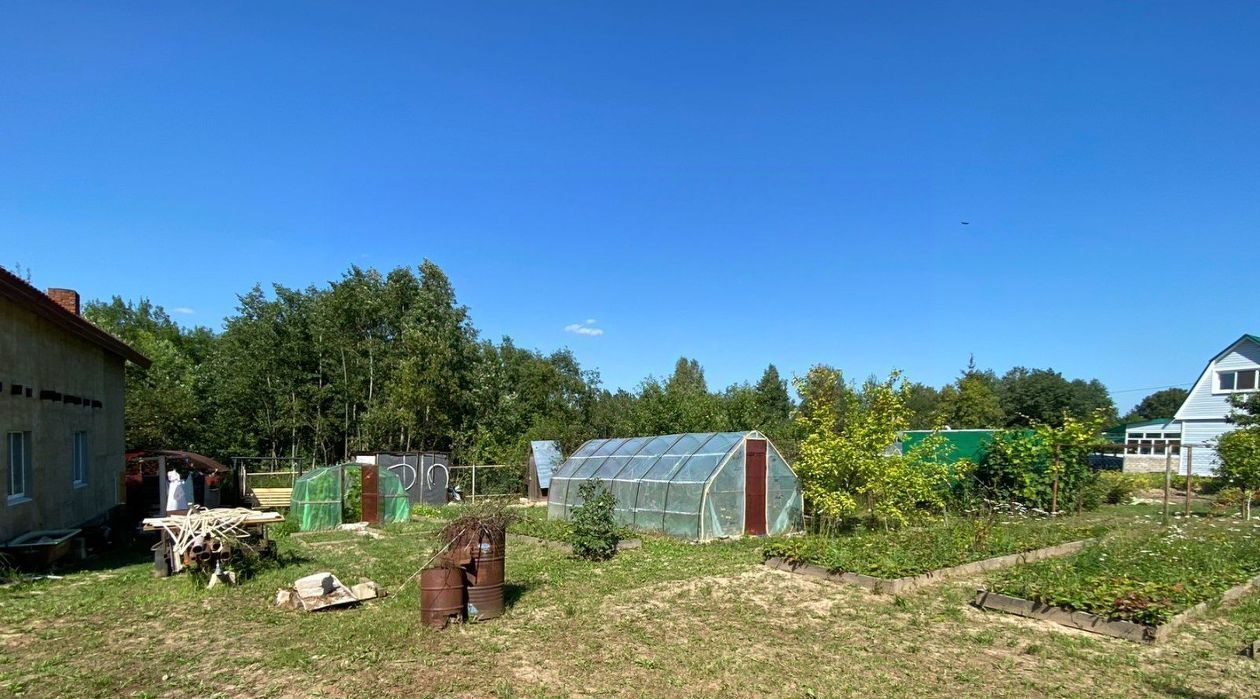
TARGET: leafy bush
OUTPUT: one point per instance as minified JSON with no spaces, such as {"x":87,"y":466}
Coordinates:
{"x":352,"y":500}
{"x":1240,"y":462}
{"x":285,"y":528}
{"x":8,"y":571}
{"x":595,"y":534}
{"x":1024,"y":465}
{"x":1231,"y":499}
{"x":902,"y":552}
{"x":1142,"y":577}
{"x":845,"y":464}
{"x":1118,"y":488}
{"x":1206,"y":485}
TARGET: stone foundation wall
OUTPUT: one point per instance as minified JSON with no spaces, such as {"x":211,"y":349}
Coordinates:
{"x":1148,"y":463}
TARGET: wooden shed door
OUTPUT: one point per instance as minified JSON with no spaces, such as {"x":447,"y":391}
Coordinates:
{"x":755,"y":487}
{"x":371,"y":494}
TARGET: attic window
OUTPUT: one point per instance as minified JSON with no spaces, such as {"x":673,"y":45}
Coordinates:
{"x":1244,"y":380}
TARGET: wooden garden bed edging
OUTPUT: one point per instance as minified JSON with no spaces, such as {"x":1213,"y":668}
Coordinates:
{"x":568,"y":548}
{"x":896,"y":586}
{"x":1128,"y":630}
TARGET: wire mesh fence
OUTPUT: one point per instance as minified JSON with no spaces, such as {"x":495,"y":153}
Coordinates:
{"x":487,"y":481}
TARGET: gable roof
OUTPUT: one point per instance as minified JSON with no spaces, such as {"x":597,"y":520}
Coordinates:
{"x":1255,"y":339}
{"x":546,"y":460}
{"x":27,"y":297}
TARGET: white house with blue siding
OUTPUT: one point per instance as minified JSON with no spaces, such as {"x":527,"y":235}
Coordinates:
{"x":1202,"y":416}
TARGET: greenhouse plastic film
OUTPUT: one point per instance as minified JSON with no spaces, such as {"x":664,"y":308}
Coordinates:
{"x":688,"y":485}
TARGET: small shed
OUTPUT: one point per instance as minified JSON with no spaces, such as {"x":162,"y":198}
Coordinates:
{"x":544,"y":458}
{"x":696,"y":486}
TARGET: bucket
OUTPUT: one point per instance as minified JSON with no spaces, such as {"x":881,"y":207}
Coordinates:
{"x":441,"y":596}
{"x":484,"y":575}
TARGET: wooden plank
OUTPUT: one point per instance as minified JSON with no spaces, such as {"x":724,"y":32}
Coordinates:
{"x":1077,"y":620}
{"x":1093,"y":623}
{"x":253,"y":519}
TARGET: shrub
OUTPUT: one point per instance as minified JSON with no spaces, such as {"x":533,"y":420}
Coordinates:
{"x":1240,"y":462}
{"x":1118,"y":488}
{"x":285,"y":528}
{"x":8,"y":571}
{"x":1024,"y":465}
{"x":352,"y":502}
{"x":595,"y":534}
{"x":1092,"y":492}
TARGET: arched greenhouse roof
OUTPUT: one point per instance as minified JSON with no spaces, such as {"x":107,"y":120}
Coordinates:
{"x":690,"y":484}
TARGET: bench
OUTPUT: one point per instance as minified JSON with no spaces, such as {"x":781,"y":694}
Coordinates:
{"x":271,"y":498}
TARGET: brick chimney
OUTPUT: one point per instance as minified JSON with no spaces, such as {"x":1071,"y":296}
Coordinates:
{"x":66,"y":298}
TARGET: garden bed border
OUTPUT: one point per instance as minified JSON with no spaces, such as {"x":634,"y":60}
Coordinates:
{"x":1085,"y":621}
{"x":624,"y":545}
{"x":896,"y":586}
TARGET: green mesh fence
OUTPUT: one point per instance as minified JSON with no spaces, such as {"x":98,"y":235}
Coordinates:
{"x":317,"y":500}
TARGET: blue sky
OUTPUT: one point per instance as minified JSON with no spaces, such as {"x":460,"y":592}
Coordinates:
{"x":743,"y":183}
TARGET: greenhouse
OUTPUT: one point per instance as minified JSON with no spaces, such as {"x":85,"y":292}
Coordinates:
{"x":697,"y":486}
{"x":329,"y":495}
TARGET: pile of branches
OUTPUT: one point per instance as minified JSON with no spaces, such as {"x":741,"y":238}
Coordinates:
{"x":483,"y":520}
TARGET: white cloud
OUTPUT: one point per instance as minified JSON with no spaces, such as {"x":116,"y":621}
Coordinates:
{"x":586,"y":328}
{"x":183,"y":310}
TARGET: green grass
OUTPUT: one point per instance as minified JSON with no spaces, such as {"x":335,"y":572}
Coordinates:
{"x":913,"y":551}
{"x":1144,"y":576}
{"x":669,"y":619}
{"x":533,"y":521}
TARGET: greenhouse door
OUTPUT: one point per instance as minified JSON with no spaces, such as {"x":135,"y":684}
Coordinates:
{"x":371,"y":494}
{"x":755,"y":488}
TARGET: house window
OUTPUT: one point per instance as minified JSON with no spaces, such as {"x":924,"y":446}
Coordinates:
{"x":1153,"y":443}
{"x":80,"y":458}
{"x":19,"y":451}
{"x":1242,"y":380}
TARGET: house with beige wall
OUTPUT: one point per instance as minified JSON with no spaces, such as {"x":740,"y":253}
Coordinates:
{"x":61,"y":411}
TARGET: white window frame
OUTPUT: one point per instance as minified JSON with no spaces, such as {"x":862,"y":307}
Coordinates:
{"x":1218,"y":388}
{"x":79,"y":467}
{"x":23,"y":494}
{"x":1152,"y":443}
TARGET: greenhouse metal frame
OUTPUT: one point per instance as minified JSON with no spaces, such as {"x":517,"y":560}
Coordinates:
{"x":699,"y":485}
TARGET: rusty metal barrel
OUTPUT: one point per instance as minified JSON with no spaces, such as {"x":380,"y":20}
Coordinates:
{"x":484,"y":574}
{"x":441,"y":595}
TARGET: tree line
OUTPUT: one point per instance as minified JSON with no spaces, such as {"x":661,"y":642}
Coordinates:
{"x":392,"y":361}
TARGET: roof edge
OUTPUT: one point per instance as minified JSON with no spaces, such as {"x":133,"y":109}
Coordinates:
{"x":1246,"y":337}
{"x":17,"y":290}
